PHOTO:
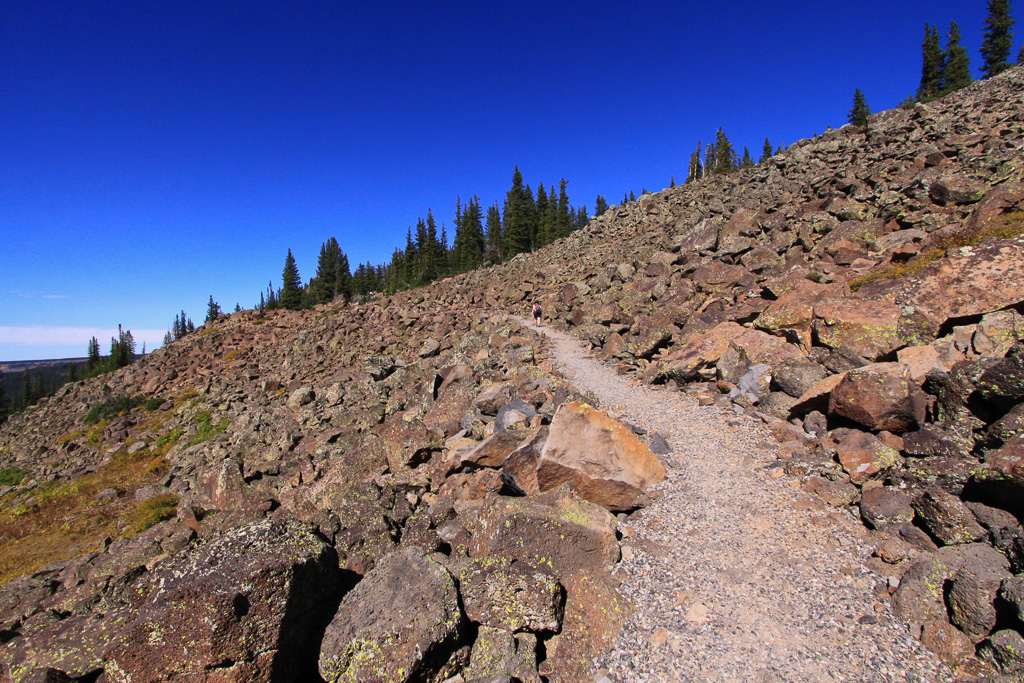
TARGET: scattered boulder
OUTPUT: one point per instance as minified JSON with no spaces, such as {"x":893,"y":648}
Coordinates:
{"x":606,"y":462}
{"x":880,"y":397}
{"x":400,"y":623}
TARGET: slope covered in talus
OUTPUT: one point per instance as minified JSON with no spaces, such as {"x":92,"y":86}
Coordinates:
{"x":214,"y":529}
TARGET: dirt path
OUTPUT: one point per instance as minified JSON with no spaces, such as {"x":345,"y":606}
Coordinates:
{"x":737,"y":575}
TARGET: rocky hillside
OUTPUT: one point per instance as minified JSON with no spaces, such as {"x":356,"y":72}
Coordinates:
{"x":406,"y":490}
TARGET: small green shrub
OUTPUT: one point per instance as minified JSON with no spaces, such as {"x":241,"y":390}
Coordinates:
{"x":12,"y":476}
{"x":207,"y":428}
{"x":113,"y":406}
{"x":153,"y":403}
{"x":152,"y":511}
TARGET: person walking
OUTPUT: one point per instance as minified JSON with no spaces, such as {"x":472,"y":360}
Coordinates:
{"x":536,"y":312}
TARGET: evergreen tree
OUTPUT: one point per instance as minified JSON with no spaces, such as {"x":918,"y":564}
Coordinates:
{"x":1020,"y":56}
{"x":546,"y":230}
{"x":212,"y":310}
{"x":932,"y":61}
{"x":581,"y":218}
{"x":26,"y":389}
{"x":956,"y":72}
{"x":189,"y":327}
{"x":859,"y":113}
{"x":748,"y":161}
{"x":322,"y":287}
{"x":433,"y":254}
{"x":72,"y":373}
{"x":995,"y":49}
{"x":632,"y":197}
{"x":168,"y":338}
{"x":471,"y":251}
{"x":671,"y":182}
{"x":696,"y":171}
{"x":238,"y":307}
{"x":5,"y":406}
{"x":122,"y":349}
{"x":600,"y":205}
{"x":291,"y":286}
{"x":343,"y":284}
{"x":94,"y":354}
{"x":766,"y":152}
{"x":563,"y":221}
{"x":516,"y":218}
{"x":725,"y":157}
{"x":492,"y":232}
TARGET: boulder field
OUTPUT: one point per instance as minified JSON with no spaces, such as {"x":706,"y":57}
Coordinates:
{"x":406,"y":490}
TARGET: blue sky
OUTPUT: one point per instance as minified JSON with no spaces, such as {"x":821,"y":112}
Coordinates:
{"x":155,"y":153}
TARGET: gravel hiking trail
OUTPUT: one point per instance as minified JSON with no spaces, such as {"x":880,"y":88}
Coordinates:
{"x":735,"y":573}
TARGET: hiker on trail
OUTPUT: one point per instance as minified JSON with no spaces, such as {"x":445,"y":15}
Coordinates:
{"x":536,"y":312}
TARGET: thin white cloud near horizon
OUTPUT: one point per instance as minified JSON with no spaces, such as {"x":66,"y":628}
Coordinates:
{"x":58,"y":335}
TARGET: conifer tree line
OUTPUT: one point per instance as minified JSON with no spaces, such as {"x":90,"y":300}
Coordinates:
{"x":526,"y":221}
{"x":720,"y":157}
{"x":944,"y":70}
{"x":18,"y":393}
{"x":23,"y":389}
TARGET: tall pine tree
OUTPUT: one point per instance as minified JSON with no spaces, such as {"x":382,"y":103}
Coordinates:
{"x":995,"y":49}
{"x":859,"y":113}
{"x":766,"y":152}
{"x":696,"y":171}
{"x":600,"y":205}
{"x":471,"y":247}
{"x":956,"y":72}
{"x":725,"y":157}
{"x":291,"y":284}
{"x":516,"y":218}
{"x":493,"y":234}
{"x":931,"y":65}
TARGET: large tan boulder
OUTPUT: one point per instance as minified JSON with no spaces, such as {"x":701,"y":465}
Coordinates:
{"x":870,"y":328}
{"x":606,"y":462}
{"x":700,"y":352}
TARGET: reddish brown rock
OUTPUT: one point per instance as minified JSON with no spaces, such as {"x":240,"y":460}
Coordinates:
{"x":947,"y":641}
{"x":751,"y":348}
{"x":947,"y":518}
{"x":408,"y":442}
{"x":794,"y":310}
{"x":879,"y":396}
{"x":398,"y":624}
{"x":492,"y":451}
{"x":971,"y":281}
{"x":864,"y":455}
{"x":606,"y":462}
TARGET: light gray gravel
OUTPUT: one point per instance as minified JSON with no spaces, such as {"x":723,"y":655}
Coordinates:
{"x":737,"y":575}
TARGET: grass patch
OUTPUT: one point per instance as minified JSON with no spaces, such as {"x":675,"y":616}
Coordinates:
{"x":12,"y":476}
{"x":152,"y":511}
{"x":185,"y":396}
{"x":59,"y":520}
{"x":70,"y":436}
{"x":1008,"y":226}
{"x":208,"y":428}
